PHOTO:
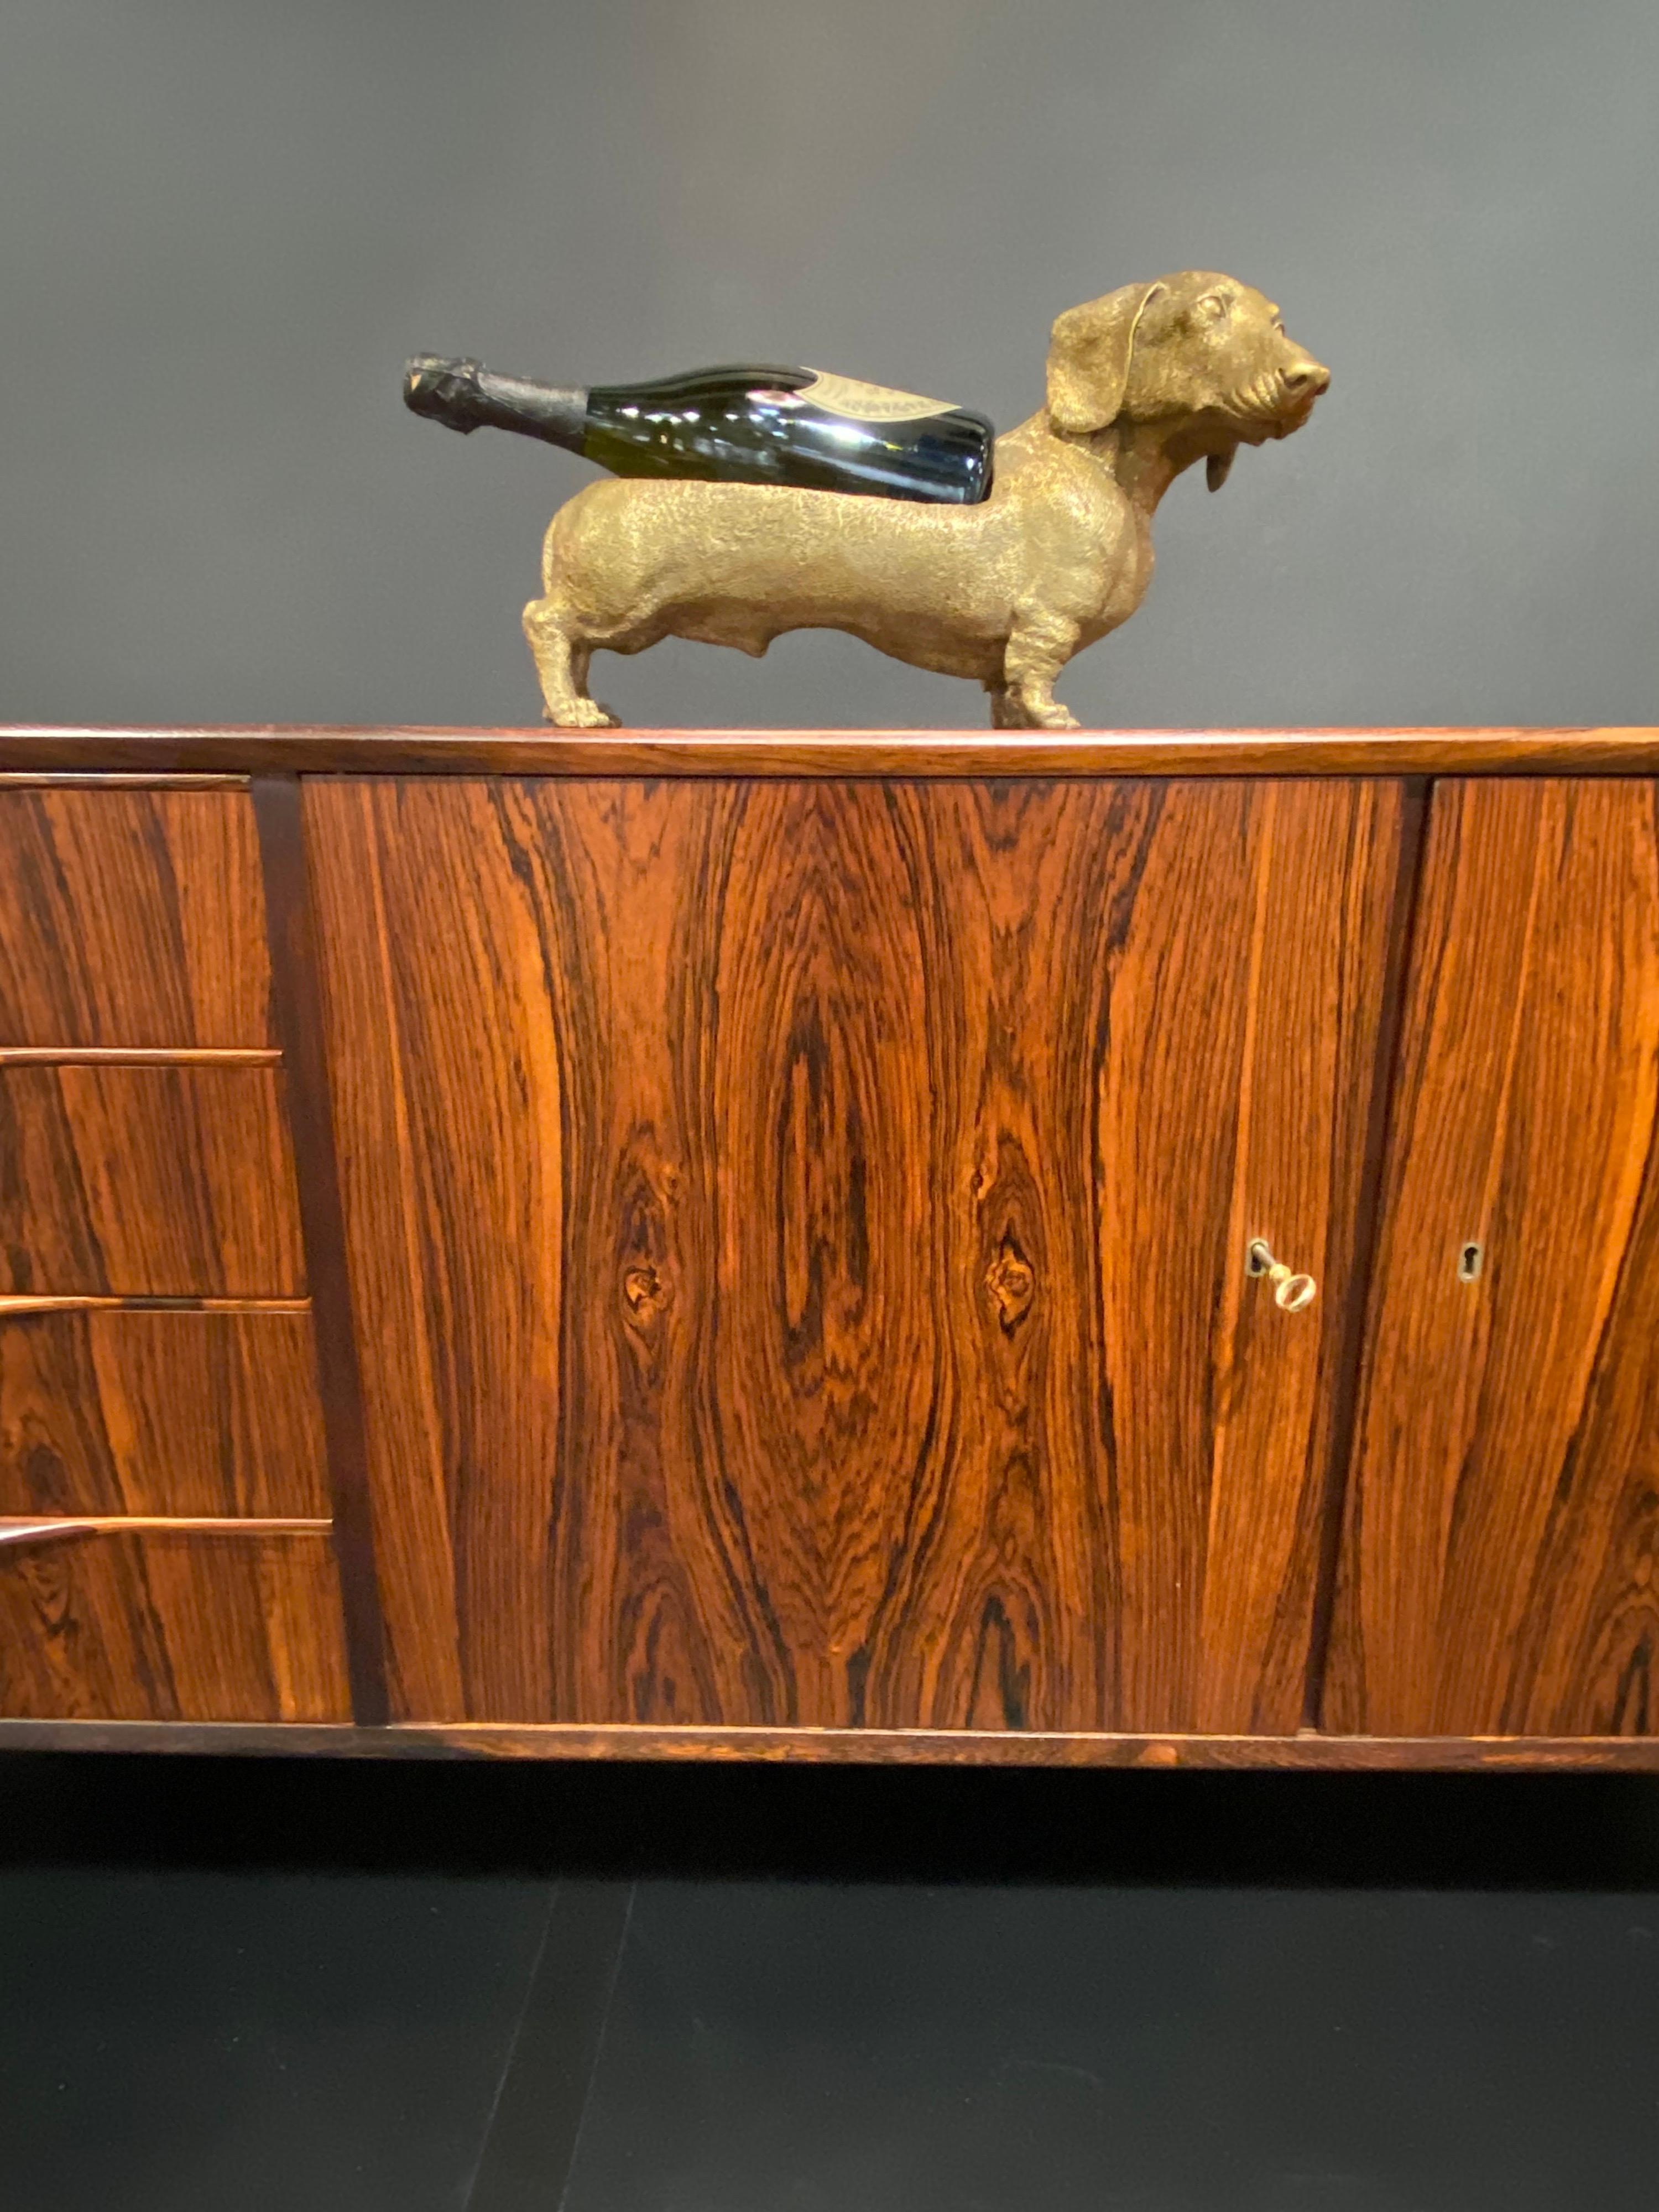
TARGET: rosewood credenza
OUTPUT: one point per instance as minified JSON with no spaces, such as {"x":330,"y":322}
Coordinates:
{"x":1120,"y":1248}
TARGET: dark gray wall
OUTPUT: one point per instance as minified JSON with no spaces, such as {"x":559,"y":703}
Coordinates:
{"x":223,"y":224}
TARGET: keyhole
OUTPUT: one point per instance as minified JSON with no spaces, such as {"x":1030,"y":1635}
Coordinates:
{"x":1468,"y":1263}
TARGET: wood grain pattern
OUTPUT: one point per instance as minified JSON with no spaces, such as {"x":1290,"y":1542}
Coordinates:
{"x":1353,"y":1289}
{"x":163,"y":1180}
{"x":792,"y":754}
{"x":131,"y":918}
{"x":1304,"y":1753}
{"x":295,"y":986}
{"x":1499,"y":1571}
{"x":436,"y":992}
{"x":172,"y":1627}
{"x":169,"y":1412}
{"x":797,"y":1235}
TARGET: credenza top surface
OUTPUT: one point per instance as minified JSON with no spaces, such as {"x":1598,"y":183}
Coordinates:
{"x":897,"y":754}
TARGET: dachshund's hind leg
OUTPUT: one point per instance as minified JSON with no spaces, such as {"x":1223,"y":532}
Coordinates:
{"x":1039,"y":648}
{"x":1006,"y":714}
{"x":562,"y":661}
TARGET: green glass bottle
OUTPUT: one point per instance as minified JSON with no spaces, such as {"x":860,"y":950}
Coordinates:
{"x":768,"y":426}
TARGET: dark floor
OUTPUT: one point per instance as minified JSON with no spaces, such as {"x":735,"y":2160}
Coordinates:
{"x":245,"y":1987}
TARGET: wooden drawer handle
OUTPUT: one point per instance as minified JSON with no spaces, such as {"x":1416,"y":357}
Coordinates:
{"x":43,"y":1528}
{"x":14,"y":1304}
{"x":1291,"y":1292}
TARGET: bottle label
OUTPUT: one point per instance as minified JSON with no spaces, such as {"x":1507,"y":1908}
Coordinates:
{"x":868,"y":402}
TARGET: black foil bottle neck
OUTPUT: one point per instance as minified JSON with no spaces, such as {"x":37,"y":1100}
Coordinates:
{"x":465,"y":396}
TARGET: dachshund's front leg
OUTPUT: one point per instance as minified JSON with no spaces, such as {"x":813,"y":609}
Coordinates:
{"x":1039,"y":648}
{"x":562,"y":661}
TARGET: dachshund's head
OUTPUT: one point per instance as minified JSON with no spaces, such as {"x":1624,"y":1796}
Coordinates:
{"x":1201,"y":352}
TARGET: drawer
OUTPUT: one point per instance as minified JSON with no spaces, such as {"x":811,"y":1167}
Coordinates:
{"x":170,"y":1625}
{"x":171,"y":1412}
{"x":165,"y":1182}
{"x":131,"y":918}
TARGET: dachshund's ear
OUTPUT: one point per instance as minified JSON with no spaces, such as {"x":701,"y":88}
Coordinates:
{"x":1089,"y":358}
{"x":1216,"y":468}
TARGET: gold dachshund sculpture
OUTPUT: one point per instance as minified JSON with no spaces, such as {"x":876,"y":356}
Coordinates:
{"x":1140,"y":384}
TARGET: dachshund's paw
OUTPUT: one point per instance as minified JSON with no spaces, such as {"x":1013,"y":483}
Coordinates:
{"x":1051,"y":715}
{"x":582,"y":715}
{"x":1013,"y":710}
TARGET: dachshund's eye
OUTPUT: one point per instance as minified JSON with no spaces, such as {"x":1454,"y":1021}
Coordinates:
{"x":1210,"y":307}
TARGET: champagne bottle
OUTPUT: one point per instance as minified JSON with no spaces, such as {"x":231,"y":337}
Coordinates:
{"x":767,"y":426}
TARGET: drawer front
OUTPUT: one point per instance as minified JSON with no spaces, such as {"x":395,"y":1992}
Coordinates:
{"x":171,"y":1412}
{"x":158,"y":1181}
{"x":171,"y":1625}
{"x":132,"y":919}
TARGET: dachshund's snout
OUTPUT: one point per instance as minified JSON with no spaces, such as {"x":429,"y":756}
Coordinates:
{"x":1306,"y":377}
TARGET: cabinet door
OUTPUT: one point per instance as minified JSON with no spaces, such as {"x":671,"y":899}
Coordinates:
{"x":1500,"y":1569}
{"x":799,"y":1231}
